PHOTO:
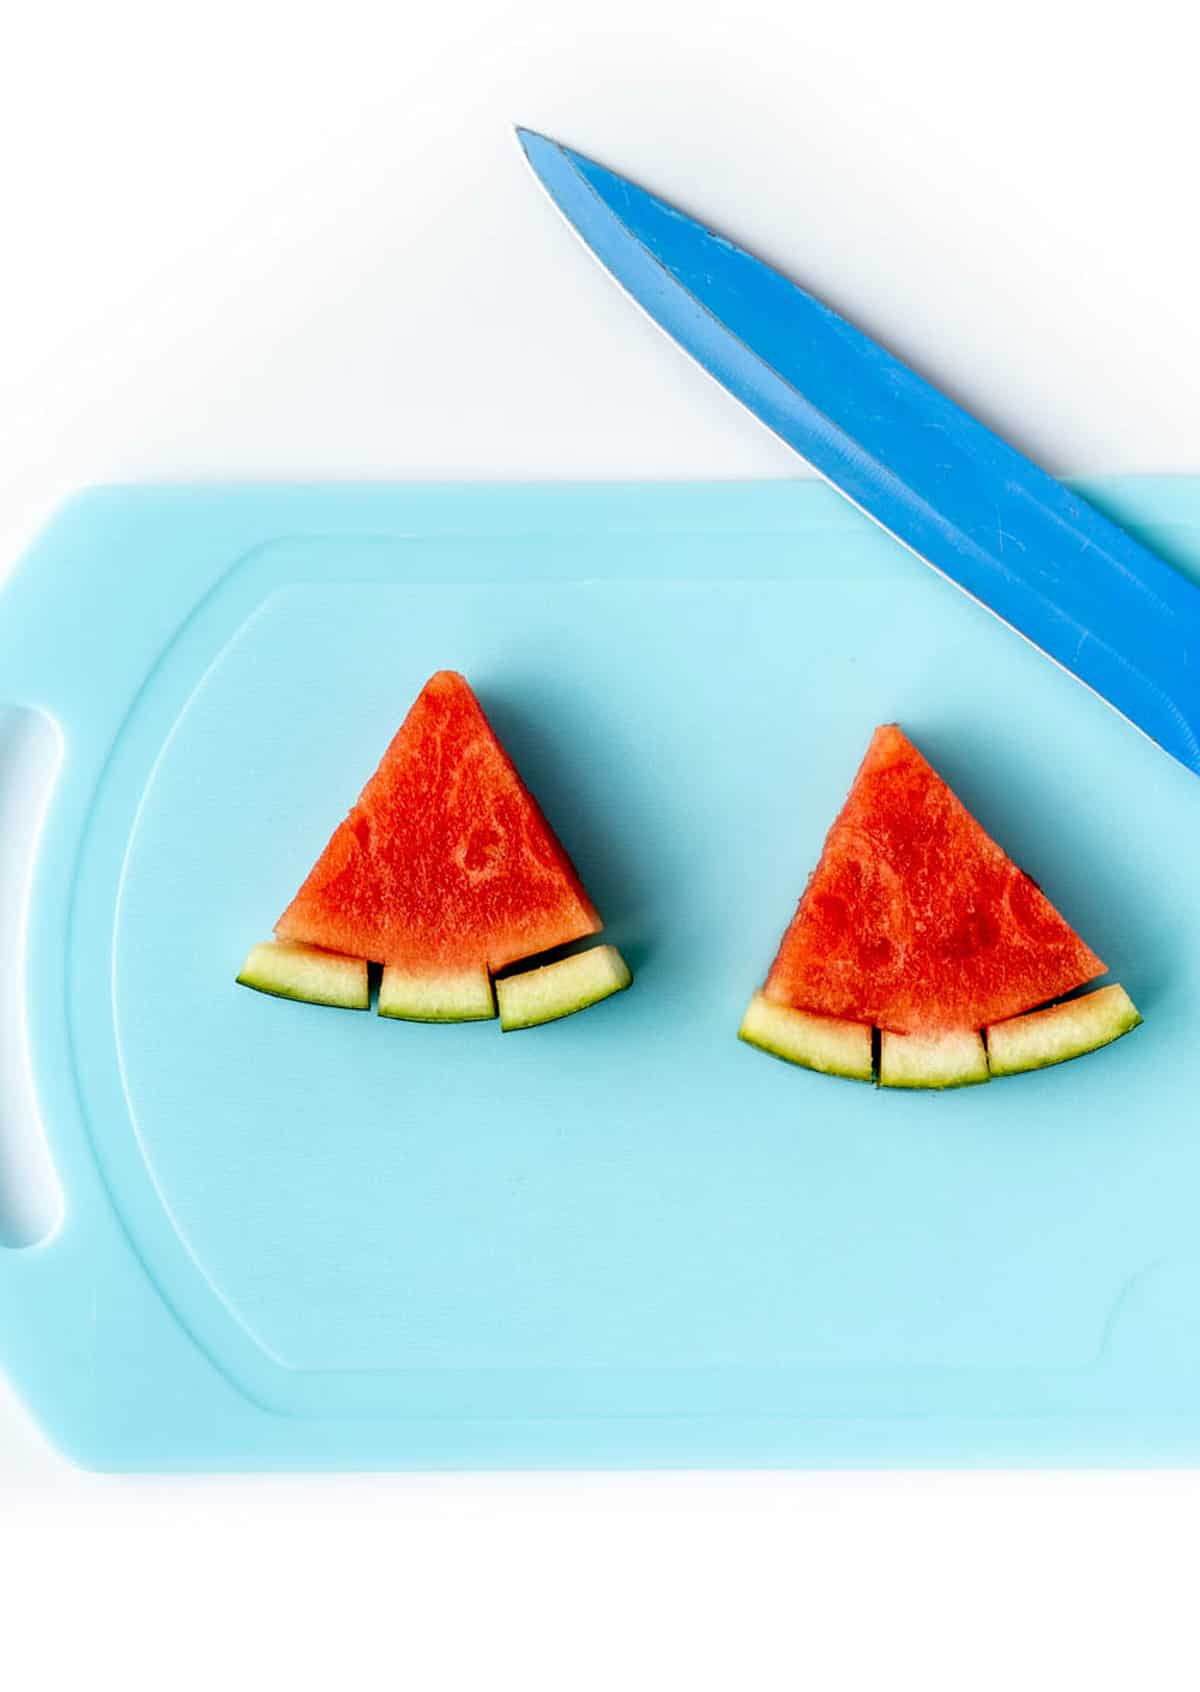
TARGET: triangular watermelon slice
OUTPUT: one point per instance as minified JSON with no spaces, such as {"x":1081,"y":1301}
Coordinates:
{"x":916,"y":924}
{"x":444,"y":871}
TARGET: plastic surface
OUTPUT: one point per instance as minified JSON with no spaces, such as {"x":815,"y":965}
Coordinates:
{"x":978,"y":511}
{"x":294,"y":1237}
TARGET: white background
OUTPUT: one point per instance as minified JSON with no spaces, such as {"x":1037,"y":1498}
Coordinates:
{"x":285,"y":240}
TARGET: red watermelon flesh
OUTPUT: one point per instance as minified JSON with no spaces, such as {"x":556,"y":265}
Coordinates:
{"x":914,"y":920}
{"x":445,"y":863}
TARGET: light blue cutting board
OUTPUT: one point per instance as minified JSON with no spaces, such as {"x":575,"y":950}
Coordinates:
{"x":300,"y":1238}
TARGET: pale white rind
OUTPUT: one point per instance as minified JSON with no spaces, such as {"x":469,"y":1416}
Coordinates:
{"x":953,"y":1059}
{"x":288,"y":970}
{"x":1043,"y":1037}
{"x":824,"y":1043}
{"x":461,"y":996}
{"x":559,"y":989}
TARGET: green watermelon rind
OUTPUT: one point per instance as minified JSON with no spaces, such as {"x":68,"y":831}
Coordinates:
{"x":459,"y":996}
{"x":286,"y":969}
{"x":1042,"y":1038}
{"x":829,"y":1045}
{"x":551,"y":991}
{"x":936,"y":1062}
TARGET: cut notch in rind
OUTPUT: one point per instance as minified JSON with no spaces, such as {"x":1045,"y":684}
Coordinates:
{"x":1041,"y":1038}
{"x":560,"y":989}
{"x":288,"y":970}
{"x":461,"y":996}
{"x":823,"y":1043}
{"x":953,"y":1059}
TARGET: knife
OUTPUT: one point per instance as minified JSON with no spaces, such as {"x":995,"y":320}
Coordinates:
{"x":984,"y":516}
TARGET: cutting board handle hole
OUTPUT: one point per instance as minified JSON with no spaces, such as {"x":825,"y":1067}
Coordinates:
{"x":30,"y":1196}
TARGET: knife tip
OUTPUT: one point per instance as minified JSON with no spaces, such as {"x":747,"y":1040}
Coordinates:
{"x":531,"y":139}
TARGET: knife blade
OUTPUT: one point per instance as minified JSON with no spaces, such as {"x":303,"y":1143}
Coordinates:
{"x":1031,"y":551}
